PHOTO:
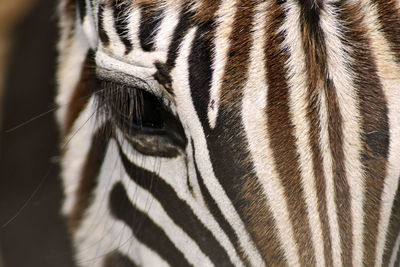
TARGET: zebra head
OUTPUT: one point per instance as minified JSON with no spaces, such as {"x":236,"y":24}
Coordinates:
{"x":231,"y":132}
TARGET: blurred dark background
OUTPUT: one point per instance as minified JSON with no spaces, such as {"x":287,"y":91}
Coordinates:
{"x":36,"y":236}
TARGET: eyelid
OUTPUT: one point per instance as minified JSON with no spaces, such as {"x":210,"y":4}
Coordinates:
{"x":125,"y":79}
{"x":133,"y":70}
{"x":130,"y":81}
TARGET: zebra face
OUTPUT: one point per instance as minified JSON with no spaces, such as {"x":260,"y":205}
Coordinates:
{"x":243,"y":133}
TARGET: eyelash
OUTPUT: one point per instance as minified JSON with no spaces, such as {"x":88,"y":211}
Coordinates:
{"x":143,"y":118}
{"x":132,"y":109}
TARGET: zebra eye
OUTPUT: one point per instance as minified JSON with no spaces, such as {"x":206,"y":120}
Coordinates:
{"x":137,"y":110}
{"x":146,"y":123}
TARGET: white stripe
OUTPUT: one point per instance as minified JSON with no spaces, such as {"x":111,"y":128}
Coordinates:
{"x":132,"y":248}
{"x":329,"y":182}
{"x":255,"y":123}
{"x":134,"y":28}
{"x":89,"y":26}
{"x":136,"y":59}
{"x":115,"y":44}
{"x":74,"y":159}
{"x":72,"y":55}
{"x":225,"y":18}
{"x":298,"y":111}
{"x":165,"y":32}
{"x":348,"y":105}
{"x":395,"y":251}
{"x":185,"y":106}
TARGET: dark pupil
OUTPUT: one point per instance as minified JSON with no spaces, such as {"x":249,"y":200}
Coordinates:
{"x":133,"y":108}
{"x":140,"y":108}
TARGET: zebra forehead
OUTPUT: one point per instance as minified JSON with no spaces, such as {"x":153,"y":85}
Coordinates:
{"x":150,"y":2}
{"x":201,"y":10}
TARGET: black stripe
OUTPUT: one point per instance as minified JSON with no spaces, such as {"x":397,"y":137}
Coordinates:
{"x":149,"y":24}
{"x":393,"y":229}
{"x":82,"y":9}
{"x":124,"y":261}
{"x":310,"y":15}
{"x":216,"y":212}
{"x":163,"y":77}
{"x":89,"y":175}
{"x":185,"y":218}
{"x":145,"y":230}
{"x":163,"y":70}
{"x":121,"y":24}
{"x":200,"y":72}
{"x":116,"y":259}
{"x":82,"y":92}
{"x":179,"y":34}
{"x":102,"y":33}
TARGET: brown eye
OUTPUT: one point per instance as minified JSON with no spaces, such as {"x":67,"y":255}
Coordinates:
{"x":145,"y":121}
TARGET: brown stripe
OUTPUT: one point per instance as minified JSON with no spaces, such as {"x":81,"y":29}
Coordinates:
{"x":393,"y":229}
{"x":389,"y":18}
{"x":315,"y":58}
{"x":88,"y":177}
{"x":139,"y":3}
{"x":342,"y":190}
{"x":236,"y":68}
{"x":70,"y":9}
{"x":206,"y":11}
{"x":150,"y":20}
{"x":281,"y":134}
{"x":260,"y":223}
{"x":81,"y":93}
{"x":261,"y":228}
{"x":373,"y":111}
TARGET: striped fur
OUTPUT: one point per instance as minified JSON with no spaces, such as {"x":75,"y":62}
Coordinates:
{"x":290,"y":120}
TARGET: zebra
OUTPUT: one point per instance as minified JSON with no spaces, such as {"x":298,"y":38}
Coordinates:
{"x":231,"y":132}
